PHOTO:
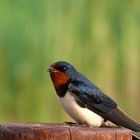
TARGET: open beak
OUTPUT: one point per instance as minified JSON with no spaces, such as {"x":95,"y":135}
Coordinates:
{"x":51,"y":69}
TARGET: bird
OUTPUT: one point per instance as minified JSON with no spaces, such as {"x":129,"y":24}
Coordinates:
{"x":84,"y":101}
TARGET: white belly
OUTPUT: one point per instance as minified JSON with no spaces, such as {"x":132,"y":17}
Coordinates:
{"x":79,"y":114}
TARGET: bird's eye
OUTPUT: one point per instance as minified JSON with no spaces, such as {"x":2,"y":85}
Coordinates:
{"x":62,"y":68}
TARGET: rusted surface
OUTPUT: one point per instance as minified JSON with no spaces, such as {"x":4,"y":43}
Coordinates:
{"x":42,"y":131}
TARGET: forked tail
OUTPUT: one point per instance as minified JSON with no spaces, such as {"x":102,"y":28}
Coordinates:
{"x":120,"y":118}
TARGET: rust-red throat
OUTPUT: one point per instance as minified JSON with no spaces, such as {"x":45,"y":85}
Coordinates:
{"x":57,"y":76}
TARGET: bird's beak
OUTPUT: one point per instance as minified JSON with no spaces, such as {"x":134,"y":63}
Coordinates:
{"x":51,"y":69}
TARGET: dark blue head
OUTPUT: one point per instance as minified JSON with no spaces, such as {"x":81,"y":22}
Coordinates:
{"x":61,"y":72}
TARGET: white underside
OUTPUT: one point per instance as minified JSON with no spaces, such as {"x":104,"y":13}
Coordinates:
{"x":79,"y":114}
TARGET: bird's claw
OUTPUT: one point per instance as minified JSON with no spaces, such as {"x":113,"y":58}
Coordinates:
{"x":70,"y":123}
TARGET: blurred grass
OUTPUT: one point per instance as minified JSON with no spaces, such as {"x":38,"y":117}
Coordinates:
{"x":101,"y":39}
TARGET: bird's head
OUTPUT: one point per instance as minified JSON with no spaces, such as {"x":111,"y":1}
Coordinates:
{"x":61,"y":72}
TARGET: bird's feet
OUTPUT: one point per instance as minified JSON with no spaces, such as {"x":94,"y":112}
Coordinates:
{"x":76,"y":124}
{"x":71,"y":123}
{"x":83,"y":125}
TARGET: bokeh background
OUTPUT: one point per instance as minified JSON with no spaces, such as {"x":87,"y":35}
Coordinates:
{"x":100,"y":38}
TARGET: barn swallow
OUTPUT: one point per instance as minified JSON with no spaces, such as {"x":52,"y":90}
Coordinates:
{"x":84,"y":101}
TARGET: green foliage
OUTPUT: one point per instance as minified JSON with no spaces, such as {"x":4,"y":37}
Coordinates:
{"x":101,"y":39}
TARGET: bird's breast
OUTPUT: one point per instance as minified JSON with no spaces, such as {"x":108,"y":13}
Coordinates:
{"x":78,"y":113}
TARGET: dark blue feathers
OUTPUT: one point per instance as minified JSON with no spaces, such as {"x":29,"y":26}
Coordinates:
{"x":89,"y":94}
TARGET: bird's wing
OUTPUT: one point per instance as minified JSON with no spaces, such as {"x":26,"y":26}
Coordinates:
{"x":92,"y":97}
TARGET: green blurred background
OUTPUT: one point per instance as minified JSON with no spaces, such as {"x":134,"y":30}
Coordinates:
{"x":100,"y":38}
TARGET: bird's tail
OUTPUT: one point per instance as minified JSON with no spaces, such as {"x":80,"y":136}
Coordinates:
{"x":120,"y":118}
{"x":136,"y":135}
